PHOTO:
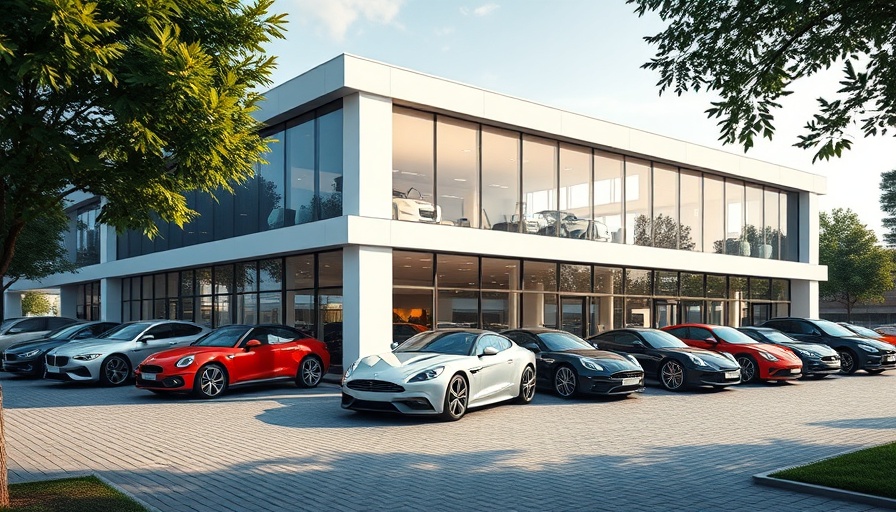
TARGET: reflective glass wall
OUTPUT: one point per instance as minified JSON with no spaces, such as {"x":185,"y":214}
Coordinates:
{"x":458,"y":173}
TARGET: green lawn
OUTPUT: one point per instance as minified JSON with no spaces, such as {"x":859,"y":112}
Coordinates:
{"x":869,"y":471}
{"x":87,"y":494}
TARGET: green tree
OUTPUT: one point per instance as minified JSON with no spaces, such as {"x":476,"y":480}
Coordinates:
{"x":859,"y":271}
{"x":888,"y":205}
{"x":34,"y":303}
{"x":137,"y":102}
{"x":749,"y":53}
{"x":663,"y":231}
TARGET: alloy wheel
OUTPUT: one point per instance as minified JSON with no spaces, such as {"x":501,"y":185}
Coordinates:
{"x":565,"y":381}
{"x":527,"y":385}
{"x":672,"y":375}
{"x":847,"y":362}
{"x":116,"y":370}
{"x":457,"y":397}
{"x":211,"y":381}
{"x":747,"y":368}
{"x":311,"y":371}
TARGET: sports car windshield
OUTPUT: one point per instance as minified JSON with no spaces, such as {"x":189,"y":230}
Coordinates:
{"x":125,"y":331}
{"x":834,"y":329}
{"x":65,"y":332}
{"x":222,"y":337}
{"x":662,"y":339}
{"x":455,"y":343}
{"x":779,"y":337}
{"x":864,"y":331}
{"x":732,"y":335}
{"x":560,"y":341}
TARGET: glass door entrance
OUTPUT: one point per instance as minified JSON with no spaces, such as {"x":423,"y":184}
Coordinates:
{"x":665,"y":312}
{"x":573,"y":315}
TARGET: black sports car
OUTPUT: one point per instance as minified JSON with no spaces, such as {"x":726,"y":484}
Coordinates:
{"x":569,"y":365}
{"x":667,"y":359}
{"x":819,"y":361}
{"x":27,"y":357}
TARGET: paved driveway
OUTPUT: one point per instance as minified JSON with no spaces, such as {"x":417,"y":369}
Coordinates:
{"x":282,"y":448}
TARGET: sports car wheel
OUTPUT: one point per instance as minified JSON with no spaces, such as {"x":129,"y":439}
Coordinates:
{"x":210,"y":382}
{"x":847,"y":361}
{"x":874,"y":372}
{"x":672,"y":375}
{"x":527,"y":386}
{"x":311,"y":371}
{"x":115,"y":371}
{"x":456,"y":397}
{"x":565,"y":382}
{"x":749,"y":372}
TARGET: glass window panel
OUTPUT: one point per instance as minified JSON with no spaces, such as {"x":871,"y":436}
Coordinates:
{"x":692,"y":285}
{"x":270,"y":274}
{"x":300,"y":170}
{"x":329,"y":129}
{"x":135,"y":310}
{"x":125,"y":291}
{"x":789,"y":226}
{"x":412,"y":268}
{"x":457,"y":171}
{"x":271,"y":185}
{"x":753,"y":230}
{"x":618,"y":313}
{"x":540,"y":310}
{"x":575,"y":194}
{"x":771,"y":231}
{"x":713,"y":214}
{"x":637,"y":281}
{"x":160,"y":308}
{"x":715,"y":312}
{"x":457,"y":308}
{"x":412,"y":154}
{"x":738,"y":312}
{"x":300,"y":311}
{"x":607,"y":280}
{"x":666,"y":283}
{"x":186,"y":283}
{"x":690,"y":236}
{"x":500,"y":274}
{"x":575,"y":278}
{"x":600,"y":315}
{"x":665,"y":226}
{"x":457,"y":271}
{"x":499,"y":310}
{"x":540,"y":184}
{"x":330,"y":317}
{"x":692,"y":311}
{"x":760,"y":288}
{"x":412,"y":306}
{"x":780,"y":289}
{"x":637,"y":201}
{"x":780,"y":309}
{"x":146,"y":291}
{"x":734,"y":219}
{"x":222,"y":310}
{"x":539,"y":276}
{"x":146,"y":309}
{"x":501,"y":180}
{"x":737,"y":287}
{"x":300,"y":272}
{"x":246,"y":203}
{"x":185,"y":307}
{"x":223,"y":217}
{"x":270,"y":308}
{"x":223,"y":279}
{"x":159,"y":282}
{"x":247,"y":308}
{"x":329,"y":269}
{"x":172,"y":286}
{"x":609,"y":171}
{"x":637,"y":312}
{"x":716,"y":287}
{"x":247,"y":277}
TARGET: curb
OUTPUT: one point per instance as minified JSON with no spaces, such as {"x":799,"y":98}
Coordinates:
{"x":142,"y":503}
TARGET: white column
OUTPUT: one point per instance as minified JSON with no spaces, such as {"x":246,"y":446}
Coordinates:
{"x":12,"y":304}
{"x":108,"y":243}
{"x":809,"y":228}
{"x":366,"y":302}
{"x":367,"y":156}
{"x":804,"y":298}
{"x":68,"y":301}
{"x":110,"y":299}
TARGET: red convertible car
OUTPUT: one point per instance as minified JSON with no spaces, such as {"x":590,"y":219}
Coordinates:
{"x":236,"y":355}
{"x":758,"y":361}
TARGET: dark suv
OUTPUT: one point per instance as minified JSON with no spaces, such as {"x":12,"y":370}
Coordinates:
{"x":856,"y":352}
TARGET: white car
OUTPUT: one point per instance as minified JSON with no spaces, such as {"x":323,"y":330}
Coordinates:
{"x":441,"y":372}
{"x":415,"y":210}
{"x":111,"y":357}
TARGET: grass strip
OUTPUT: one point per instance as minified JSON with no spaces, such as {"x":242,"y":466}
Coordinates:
{"x":868,"y":471}
{"x":83,"y":494}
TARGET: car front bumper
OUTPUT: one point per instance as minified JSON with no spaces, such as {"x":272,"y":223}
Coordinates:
{"x":619,"y":383}
{"x":417,"y":398}
{"x":721,"y":377}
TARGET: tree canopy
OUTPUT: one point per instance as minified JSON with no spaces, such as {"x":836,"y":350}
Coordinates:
{"x":859,"y":271}
{"x":888,"y":205}
{"x":41,"y":251}
{"x":136,"y":102}
{"x":749,"y":53}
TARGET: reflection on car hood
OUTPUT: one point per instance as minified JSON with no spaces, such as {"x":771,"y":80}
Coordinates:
{"x":41,"y":344}
{"x":172,"y":355}
{"x":819,"y":349}
{"x":399,"y":365}
{"x":710,"y":356}
{"x":613,"y":361}
{"x":95,"y":345}
{"x":779,"y":352}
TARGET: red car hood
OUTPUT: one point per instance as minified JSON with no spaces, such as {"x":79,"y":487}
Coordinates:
{"x":171,"y":356}
{"x":784,"y":354}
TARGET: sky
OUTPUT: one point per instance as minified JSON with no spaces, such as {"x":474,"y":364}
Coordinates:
{"x":583,"y":56}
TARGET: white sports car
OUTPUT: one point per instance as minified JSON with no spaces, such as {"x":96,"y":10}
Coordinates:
{"x":442,"y":372}
{"x":416,"y":210}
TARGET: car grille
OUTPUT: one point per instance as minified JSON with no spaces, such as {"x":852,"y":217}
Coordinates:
{"x":150,"y":368}
{"x":427,"y":214}
{"x":9,"y":357}
{"x":378,"y":386}
{"x":627,"y":375}
{"x":57,"y":361}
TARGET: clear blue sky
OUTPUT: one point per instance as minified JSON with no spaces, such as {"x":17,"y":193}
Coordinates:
{"x":578,"y":55}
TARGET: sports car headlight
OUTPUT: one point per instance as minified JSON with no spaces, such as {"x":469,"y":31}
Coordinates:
{"x":185,"y":361}
{"x":427,"y":375}
{"x":591,"y":364}
{"x":348,"y":373}
{"x":30,"y":353}
{"x":868,"y":348}
{"x":697,"y":360}
{"x":632,"y":359}
{"x":807,"y":353}
{"x":767,"y":356}
{"x":729,"y":356}
{"x":86,"y":357}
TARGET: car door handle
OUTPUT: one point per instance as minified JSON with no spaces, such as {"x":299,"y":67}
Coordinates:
{"x":510,"y":361}
{"x":475,"y":370}
{"x":172,"y":343}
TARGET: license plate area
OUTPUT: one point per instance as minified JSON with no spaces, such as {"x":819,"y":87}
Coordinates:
{"x":732,"y":375}
{"x":148,"y":376}
{"x":631,"y":381}
{"x":795,"y":370}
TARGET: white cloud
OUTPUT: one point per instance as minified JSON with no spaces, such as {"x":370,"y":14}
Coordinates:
{"x":338,"y":15}
{"x":482,"y":10}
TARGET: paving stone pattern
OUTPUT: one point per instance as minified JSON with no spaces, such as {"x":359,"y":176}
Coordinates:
{"x":283,"y":449}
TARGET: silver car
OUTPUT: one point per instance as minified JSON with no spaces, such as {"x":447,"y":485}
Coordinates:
{"x":111,"y":358}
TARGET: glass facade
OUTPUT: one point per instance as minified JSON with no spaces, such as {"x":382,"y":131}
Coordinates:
{"x":87,"y":304}
{"x":87,"y":235}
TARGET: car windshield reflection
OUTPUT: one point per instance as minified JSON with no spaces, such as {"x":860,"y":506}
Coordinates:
{"x":222,"y":337}
{"x":662,"y":339}
{"x":560,"y":341}
{"x":456,"y":343}
{"x":125,"y":331}
{"x":732,"y":335}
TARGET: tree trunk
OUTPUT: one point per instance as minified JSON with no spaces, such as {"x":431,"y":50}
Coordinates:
{"x":4,"y":482}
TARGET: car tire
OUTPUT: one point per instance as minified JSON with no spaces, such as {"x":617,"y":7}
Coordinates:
{"x":566,"y":382}
{"x":311,"y":371}
{"x":527,"y":385}
{"x":875,"y":372}
{"x":749,"y":370}
{"x":848,"y":363}
{"x":673,"y":375}
{"x":457,"y":395}
{"x":211,"y":381}
{"x":115,"y":371}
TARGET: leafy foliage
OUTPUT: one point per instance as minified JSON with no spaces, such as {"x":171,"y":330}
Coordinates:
{"x":663,"y":231}
{"x":137,"y":102}
{"x":888,"y":205}
{"x":859,"y":271}
{"x":41,"y":251}
{"x":750,"y":52}
{"x":34,"y":303}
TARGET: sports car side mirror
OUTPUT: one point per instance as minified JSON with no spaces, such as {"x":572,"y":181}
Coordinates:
{"x":394,"y":345}
{"x":252,"y":344}
{"x":489,"y":351}
{"x":146,"y":338}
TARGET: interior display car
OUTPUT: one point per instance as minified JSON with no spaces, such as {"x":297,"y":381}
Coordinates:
{"x":416,"y":209}
{"x":15,"y":330}
{"x":669,"y":360}
{"x":110,"y":358}
{"x":568,"y":365}
{"x":233,"y":356}
{"x":758,"y":361}
{"x":819,"y":361}
{"x":27,"y":357}
{"x":856,"y":352}
{"x":571,"y":226}
{"x":443,"y":373}
{"x":870,"y":333}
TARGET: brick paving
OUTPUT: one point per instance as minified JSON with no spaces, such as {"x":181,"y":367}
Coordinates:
{"x":282,"y":448}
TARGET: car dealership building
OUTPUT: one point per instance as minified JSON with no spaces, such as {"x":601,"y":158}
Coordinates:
{"x":393,"y":197}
